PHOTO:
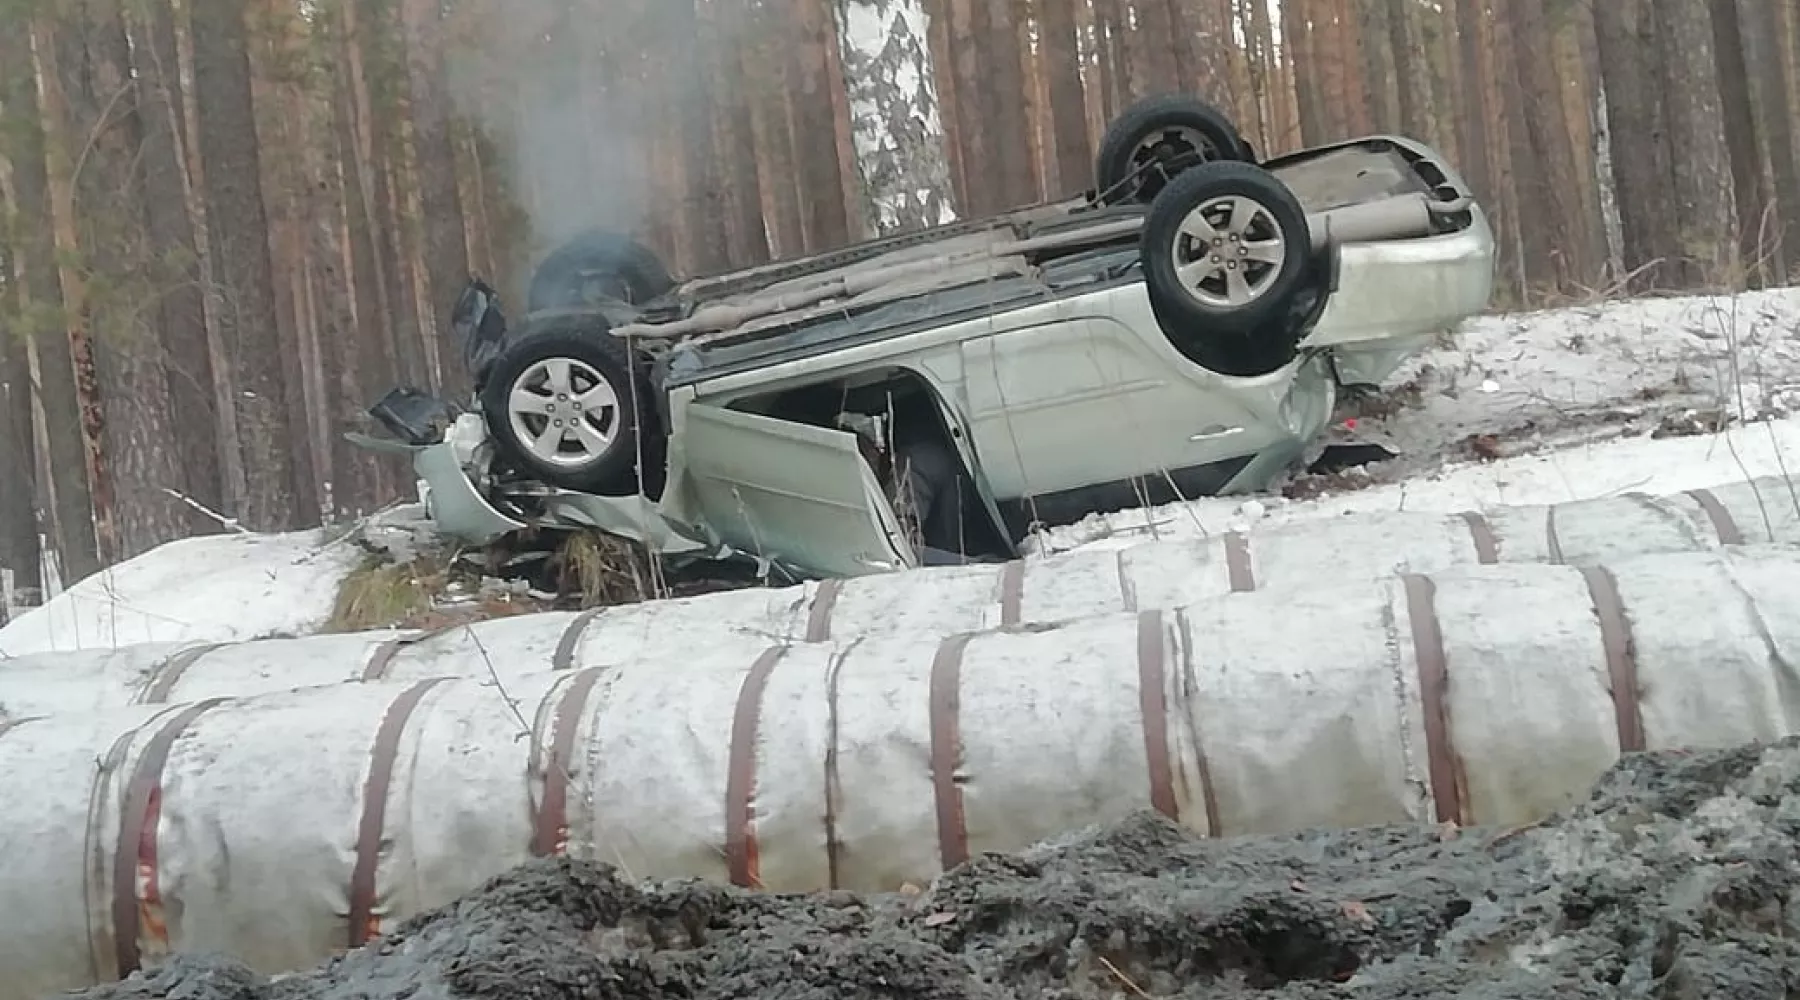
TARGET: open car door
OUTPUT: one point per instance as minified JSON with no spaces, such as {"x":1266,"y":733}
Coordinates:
{"x":798,"y":494}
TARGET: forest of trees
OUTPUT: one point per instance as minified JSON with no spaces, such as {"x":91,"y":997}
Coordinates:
{"x":231,"y":224}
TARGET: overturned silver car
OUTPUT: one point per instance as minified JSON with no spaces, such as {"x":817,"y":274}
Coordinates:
{"x":1184,"y":330}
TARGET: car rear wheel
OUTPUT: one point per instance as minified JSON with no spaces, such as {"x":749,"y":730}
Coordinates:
{"x":1226,"y":250}
{"x":565,"y":404}
{"x":598,"y":264}
{"x":1156,"y":139}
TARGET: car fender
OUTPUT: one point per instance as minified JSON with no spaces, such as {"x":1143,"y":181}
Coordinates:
{"x":452,"y":500}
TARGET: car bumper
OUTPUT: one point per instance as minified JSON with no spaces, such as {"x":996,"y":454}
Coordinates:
{"x":1407,"y":289}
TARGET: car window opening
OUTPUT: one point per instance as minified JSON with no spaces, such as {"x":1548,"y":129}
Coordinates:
{"x":908,"y":445}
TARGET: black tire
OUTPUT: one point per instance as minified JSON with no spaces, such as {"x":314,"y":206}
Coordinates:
{"x":1200,"y":319}
{"x":632,"y":423}
{"x":1124,"y":173}
{"x":599,"y":263}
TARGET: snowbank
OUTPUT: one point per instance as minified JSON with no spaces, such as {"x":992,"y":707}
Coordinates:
{"x":922,"y":605}
{"x":1767,"y":451}
{"x":284,"y":827}
{"x":215,"y":588}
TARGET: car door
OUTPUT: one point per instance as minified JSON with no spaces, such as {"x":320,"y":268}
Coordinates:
{"x":799,"y":494}
{"x":1085,"y":400}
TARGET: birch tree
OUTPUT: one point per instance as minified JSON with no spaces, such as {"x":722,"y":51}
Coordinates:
{"x":898,"y":136}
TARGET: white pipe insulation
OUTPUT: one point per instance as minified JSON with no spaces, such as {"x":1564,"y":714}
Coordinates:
{"x":923,"y":603}
{"x":283,"y":827}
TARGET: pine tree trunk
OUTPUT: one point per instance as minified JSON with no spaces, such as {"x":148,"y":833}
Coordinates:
{"x":1639,"y":147}
{"x":270,"y":28}
{"x":1155,"y":68}
{"x":445,"y":248}
{"x":1072,"y":163}
{"x":1774,"y":107}
{"x":1283,"y":129}
{"x":1552,"y":183}
{"x":192,"y":384}
{"x":726,"y":28}
{"x":1749,"y":182}
{"x":1412,"y":72}
{"x":977,"y":141}
{"x":50,"y":48}
{"x":1005,"y":114}
{"x":1307,"y":60}
{"x":827,"y":224}
{"x":239,"y":230}
{"x":19,"y":552}
{"x":766,"y":67}
{"x":56,"y":411}
{"x":110,"y":215}
{"x":1690,"y":86}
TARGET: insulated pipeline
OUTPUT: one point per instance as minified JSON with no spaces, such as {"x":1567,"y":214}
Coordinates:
{"x":925,"y":603}
{"x":284,"y":827}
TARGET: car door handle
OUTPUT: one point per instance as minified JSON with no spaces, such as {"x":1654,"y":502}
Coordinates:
{"x":1214,"y":432}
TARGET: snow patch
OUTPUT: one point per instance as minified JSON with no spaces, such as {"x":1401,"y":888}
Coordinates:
{"x":215,"y":588}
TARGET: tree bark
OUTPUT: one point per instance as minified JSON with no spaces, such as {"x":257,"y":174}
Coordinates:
{"x":56,"y":411}
{"x":49,"y":43}
{"x":187,"y":359}
{"x":826,"y":222}
{"x":1003,"y":114}
{"x":19,"y":550}
{"x":445,"y":248}
{"x":1638,"y":145}
{"x":1412,"y":71}
{"x":766,"y":67}
{"x":112,"y":233}
{"x":1072,"y":167}
{"x":893,"y":105}
{"x":1300,"y":43}
{"x":239,"y":227}
{"x":1547,"y":170}
{"x":728,"y":30}
{"x":1773,"y":105}
{"x":1705,"y":215}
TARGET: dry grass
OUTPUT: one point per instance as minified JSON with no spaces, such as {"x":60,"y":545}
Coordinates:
{"x":379,"y":594}
{"x":602,"y":570}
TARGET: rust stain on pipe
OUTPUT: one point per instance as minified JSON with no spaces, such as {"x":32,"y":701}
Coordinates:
{"x":741,"y":856}
{"x":1449,"y":785}
{"x":550,"y":828}
{"x":1621,"y":655}
{"x":1153,"y":703}
{"x":134,"y":857}
{"x":570,"y":640}
{"x":165,"y":675}
{"x":1239,"y":568}
{"x":1723,"y":523}
{"x":364,"y":925}
{"x":1481,"y":532}
{"x":1012,"y":593}
{"x":1128,"y":598}
{"x":818,"y":618}
{"x":946,"y":750}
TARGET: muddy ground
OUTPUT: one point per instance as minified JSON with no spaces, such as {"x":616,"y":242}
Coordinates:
{"x":1673,"y":881}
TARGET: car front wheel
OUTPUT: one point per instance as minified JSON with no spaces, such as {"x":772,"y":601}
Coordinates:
{"x":564,"y":403}
{"x":1226,"y":249}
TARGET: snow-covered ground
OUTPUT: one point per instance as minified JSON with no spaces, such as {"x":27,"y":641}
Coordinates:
{"x":1521,"y":409}
{"x":217,"y":588}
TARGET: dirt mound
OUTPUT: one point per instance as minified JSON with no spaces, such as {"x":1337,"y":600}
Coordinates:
{"x":1672,"y":881}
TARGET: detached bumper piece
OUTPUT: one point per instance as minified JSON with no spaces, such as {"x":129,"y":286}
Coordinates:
{"x":414,"y":416}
